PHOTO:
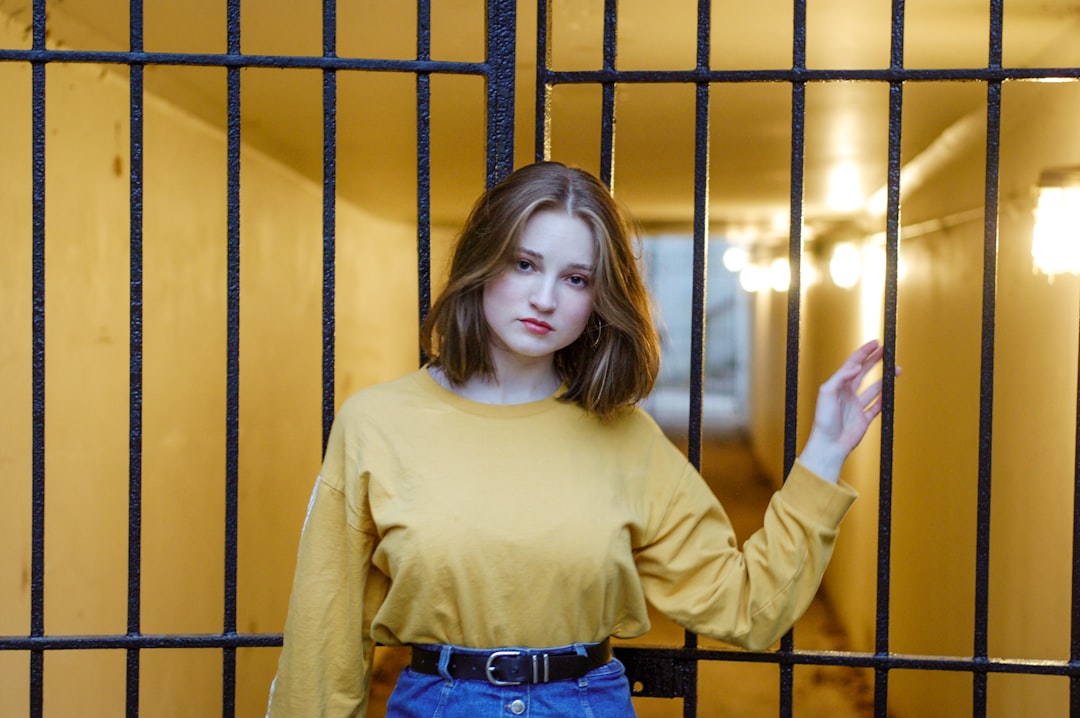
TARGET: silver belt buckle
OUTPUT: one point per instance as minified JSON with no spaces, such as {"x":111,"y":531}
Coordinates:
{"x":489,"y":667}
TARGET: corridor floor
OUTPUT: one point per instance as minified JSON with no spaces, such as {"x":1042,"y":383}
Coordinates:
{"x":728,"y":689}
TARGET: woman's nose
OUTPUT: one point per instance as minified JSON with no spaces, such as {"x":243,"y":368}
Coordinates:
{"x":543,"y":296}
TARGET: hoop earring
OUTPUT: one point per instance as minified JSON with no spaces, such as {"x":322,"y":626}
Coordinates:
{"x":595,"y":332}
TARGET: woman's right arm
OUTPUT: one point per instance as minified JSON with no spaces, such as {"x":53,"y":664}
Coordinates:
{"x":325,"y":665}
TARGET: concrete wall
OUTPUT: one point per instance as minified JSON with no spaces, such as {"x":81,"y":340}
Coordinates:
{"x":87,"y":309}
{"x":936,"y":448}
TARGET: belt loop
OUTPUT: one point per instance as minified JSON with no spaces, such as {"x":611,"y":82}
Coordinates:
{"x":541,"y":668}
{"x":579,"y":648}
{"x":444,"y":662}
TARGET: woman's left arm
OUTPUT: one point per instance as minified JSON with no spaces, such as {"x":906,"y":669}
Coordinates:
{"x":691,"y":565}
{"x":843,"y":413}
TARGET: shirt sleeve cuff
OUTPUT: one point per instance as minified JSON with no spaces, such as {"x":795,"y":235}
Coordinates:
{"x":814,"y":495}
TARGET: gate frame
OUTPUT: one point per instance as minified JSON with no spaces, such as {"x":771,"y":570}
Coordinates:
{"x":661,"y":672}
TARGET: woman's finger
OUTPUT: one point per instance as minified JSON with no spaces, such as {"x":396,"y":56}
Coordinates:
{"x":870,"y":394}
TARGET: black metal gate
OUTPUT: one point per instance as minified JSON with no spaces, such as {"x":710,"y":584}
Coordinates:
{"x":668,"y":673}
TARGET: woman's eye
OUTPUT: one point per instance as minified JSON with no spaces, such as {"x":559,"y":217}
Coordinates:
{"x":523,"y":265}
{"x":578,"y":281}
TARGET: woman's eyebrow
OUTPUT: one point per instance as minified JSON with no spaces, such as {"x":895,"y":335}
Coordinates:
{"x":540,"y":257}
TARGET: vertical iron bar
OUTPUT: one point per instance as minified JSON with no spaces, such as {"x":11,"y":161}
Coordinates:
{"x":699,"y":293}
{"x":501,"y":56}
{"x":798,"y":141}
{"x":329,"y":321}
{"x":135,"y":383}
{"x":986,"y":388}
{"x":542,"y":141}
{"x":892,"y":234}
{"x":607,"y":110}
{"x":798,"y":130}
{"x":687,"y":679}
{"x":798,"y":51}
{"x":37,"y":559}
{"x":699,"y":269}
{"x":423,"y":162}
{"x":986,"y":394}
{"x":896,"y":47}
{"x":892,"y":239}
{"x":798,"y":148}
{"x":888,"y":391}
{"x":232,"y":411}
{"x":997,"y":23}
{"x":791,"y":409}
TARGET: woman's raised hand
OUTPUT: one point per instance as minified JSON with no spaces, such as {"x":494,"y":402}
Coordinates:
{"x":843,"y":412}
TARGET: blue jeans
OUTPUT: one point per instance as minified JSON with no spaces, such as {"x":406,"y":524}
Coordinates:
{"x":603,"y":692}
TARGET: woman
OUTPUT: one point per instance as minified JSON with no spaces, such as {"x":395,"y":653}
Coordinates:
{"x":506,"y":509}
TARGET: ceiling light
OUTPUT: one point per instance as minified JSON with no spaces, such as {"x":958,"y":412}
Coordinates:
{"x":735,"y":258}
{"x":1055,"y":242}
{"x":845,"y":267}
{"x":844,"y":188}
{"x":752,"y":278}
{"x":780,"y":275}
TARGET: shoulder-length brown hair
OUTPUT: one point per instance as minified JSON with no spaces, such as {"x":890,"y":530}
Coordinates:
{"x":613,"y":364}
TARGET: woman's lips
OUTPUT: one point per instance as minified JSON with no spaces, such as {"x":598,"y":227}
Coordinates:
{"x":537,"y":326}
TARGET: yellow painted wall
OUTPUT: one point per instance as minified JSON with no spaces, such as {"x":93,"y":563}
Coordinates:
{"x":87,"y":225}
{"x":936,"y":443}
{"x":936,"y":448}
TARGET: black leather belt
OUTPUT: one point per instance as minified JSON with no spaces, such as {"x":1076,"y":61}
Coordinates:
{"x":513,"y":667}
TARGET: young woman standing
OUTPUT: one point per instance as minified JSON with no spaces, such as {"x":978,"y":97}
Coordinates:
{"x":506,"y":509}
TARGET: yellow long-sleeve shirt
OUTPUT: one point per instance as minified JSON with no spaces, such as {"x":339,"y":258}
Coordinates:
{"x":436,"y":519}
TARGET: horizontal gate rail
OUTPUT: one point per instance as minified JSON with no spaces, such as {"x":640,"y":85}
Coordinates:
{"x":278,"y":62}
{"x":891,"y":661}
{"x":628,"y":654}
{"x":993,"y":74}
{"x":141,"y":640}
{"x":554,"y":77}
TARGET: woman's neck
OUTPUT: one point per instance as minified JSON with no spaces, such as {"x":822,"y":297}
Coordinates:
{"x":505,"y":387}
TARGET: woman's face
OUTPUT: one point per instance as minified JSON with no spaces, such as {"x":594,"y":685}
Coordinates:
{"x":541,"y":302}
